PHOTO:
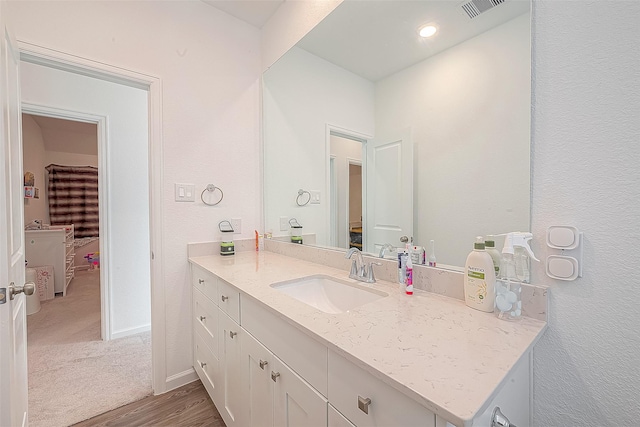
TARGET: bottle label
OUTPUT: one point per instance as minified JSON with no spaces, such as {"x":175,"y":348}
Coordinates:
{"x":477,"y":286}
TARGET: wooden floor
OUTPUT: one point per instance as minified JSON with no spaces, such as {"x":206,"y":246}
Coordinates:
{"x":189,"y":405}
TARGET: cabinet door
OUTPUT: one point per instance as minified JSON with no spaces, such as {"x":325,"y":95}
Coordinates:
{"x":336,"y":419}
{"x":257,"y":364}
{"x":296,"y":403}
{"x":229,"y":399}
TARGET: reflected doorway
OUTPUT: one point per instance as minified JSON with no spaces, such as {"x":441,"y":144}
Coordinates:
{"x":346,"y":184}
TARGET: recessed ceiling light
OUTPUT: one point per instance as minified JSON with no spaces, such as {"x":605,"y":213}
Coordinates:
{"x":428,"y":31}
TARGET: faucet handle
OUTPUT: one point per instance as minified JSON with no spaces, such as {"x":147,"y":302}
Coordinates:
{"x":371,"y":278}
{"x":354,"y":269}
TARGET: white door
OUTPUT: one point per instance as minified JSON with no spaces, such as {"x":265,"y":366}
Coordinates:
{"x":256,"y":365}
{"x":230,"y":394}
{"x":296,"y":403}
{"x":13,"y":332}
{"x":388,"y":190}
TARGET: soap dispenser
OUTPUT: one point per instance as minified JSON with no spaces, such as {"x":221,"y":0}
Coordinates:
{"x":479,"y":279}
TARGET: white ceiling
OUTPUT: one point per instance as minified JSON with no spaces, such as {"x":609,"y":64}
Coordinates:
{"x":254,"y":12}
{"x":67,"y":136}
{"x":376,"y":39}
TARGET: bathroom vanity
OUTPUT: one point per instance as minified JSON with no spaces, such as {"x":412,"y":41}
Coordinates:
{"x":267,"y":358}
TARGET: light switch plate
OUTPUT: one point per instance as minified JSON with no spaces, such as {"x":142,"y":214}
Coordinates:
{"x":315,"y":197}
{"x":185,"y":192}
{"x":284,"y":223}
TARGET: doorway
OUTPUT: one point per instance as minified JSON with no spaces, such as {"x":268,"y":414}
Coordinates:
{"x":128,"y":195}
{"x":346,"y":189}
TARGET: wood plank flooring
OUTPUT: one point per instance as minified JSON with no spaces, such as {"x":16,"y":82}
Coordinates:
{"x":189,"y":405}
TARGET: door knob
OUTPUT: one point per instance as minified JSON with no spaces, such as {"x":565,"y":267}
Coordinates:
{"x":28,"y":289}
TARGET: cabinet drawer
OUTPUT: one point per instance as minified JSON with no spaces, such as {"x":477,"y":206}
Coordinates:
{"x":336,"y":419}
{"x":307,"y":357}
{"x":205,"y":282}
{"x":351,"y":386}
{"x":205,"y":320}
{"x":229,"y":300}
{"x":206,"y":364}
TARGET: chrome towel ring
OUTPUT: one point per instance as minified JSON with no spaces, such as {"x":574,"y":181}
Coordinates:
{"x":300,"y":197}
{"x":211,"y":189}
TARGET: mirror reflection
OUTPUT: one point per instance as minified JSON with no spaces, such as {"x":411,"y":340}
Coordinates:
{"x":397,"y":135}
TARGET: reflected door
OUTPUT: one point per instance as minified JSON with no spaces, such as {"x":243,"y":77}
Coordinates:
{"x":389,"y":190}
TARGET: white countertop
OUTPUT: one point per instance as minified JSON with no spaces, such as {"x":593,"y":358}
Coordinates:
{"x":449,"y":357}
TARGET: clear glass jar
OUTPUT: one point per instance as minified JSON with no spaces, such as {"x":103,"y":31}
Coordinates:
{"x":508,"y":299}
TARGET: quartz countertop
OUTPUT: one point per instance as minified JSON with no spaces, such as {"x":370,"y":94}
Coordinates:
{"x":450,"y":358}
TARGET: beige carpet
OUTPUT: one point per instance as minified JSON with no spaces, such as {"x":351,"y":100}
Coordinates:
{"x":73,"y":375}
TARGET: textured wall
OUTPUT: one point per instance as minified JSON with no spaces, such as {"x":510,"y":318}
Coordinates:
{"x":209,"y":64}
{"x":586,"y":172}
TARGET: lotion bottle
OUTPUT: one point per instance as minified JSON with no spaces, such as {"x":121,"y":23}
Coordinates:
{"x":480,"y":279}
{"x":490,"y":247}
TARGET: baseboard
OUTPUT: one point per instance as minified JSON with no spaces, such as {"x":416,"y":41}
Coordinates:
{"x":129,"y":332}
{"x":180,"y":379}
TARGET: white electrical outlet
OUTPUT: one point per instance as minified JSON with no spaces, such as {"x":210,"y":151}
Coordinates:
{"x":236,"y":223}
{"x":284,"y":223}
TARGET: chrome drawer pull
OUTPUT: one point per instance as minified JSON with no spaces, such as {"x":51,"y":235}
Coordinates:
{"x":274,"y":376}
{"x":202,"y":365}
{"x":232,"y":334}
{"x":363,"y":404}
{"x":202,"y":318}
{"x":499,"y":420}
{"x":201,"y":281}
{"x":263,"y":363}
{"x":224,"y":298}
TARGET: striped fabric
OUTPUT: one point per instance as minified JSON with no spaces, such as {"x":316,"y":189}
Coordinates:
{"x":73,"y":198}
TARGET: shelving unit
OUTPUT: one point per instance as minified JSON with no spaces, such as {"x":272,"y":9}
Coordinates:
{"x":53,"y":247}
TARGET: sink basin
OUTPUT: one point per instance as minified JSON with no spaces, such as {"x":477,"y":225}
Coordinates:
{"x":328,"y":294}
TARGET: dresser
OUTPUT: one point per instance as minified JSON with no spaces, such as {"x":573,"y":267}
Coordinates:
{"x":53,"y":247}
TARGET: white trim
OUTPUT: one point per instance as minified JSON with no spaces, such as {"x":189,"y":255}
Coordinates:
{"x":343,"y":132}
{"x":180,"y":379}
{"x":131,"y":331}
{"x":40,"y":55}
{"x":103,"y":191}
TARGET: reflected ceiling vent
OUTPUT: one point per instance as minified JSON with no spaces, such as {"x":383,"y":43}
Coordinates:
{"x":474,"y":8}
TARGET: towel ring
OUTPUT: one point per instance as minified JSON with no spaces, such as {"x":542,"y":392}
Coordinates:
{"x":301,"y":193}
{"x":211,"y":188}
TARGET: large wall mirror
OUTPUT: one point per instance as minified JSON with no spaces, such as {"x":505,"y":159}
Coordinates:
{"x":398,"y":135}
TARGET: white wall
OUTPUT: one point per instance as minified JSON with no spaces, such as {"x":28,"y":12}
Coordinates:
{"x":70,"y":159}
{"x":127,"y":215}
{"x":469,"y":110}
{"x":34,"y":161}
{"x":585,"y":161}
{"x":302,"y":94}
{"x":209,"y":65}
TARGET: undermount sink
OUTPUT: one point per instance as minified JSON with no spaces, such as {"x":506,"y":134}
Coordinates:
{"x":328,"y":294}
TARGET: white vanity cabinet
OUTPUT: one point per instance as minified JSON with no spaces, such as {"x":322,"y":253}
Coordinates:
{"x":229,"y":397}
{"x":261,"y":369}
{"x":276,"y":395}
{"x":368,"y":402}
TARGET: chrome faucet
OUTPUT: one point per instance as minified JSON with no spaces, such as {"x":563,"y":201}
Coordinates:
{"x":385,"y":247}
{"x":359,"y":270}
